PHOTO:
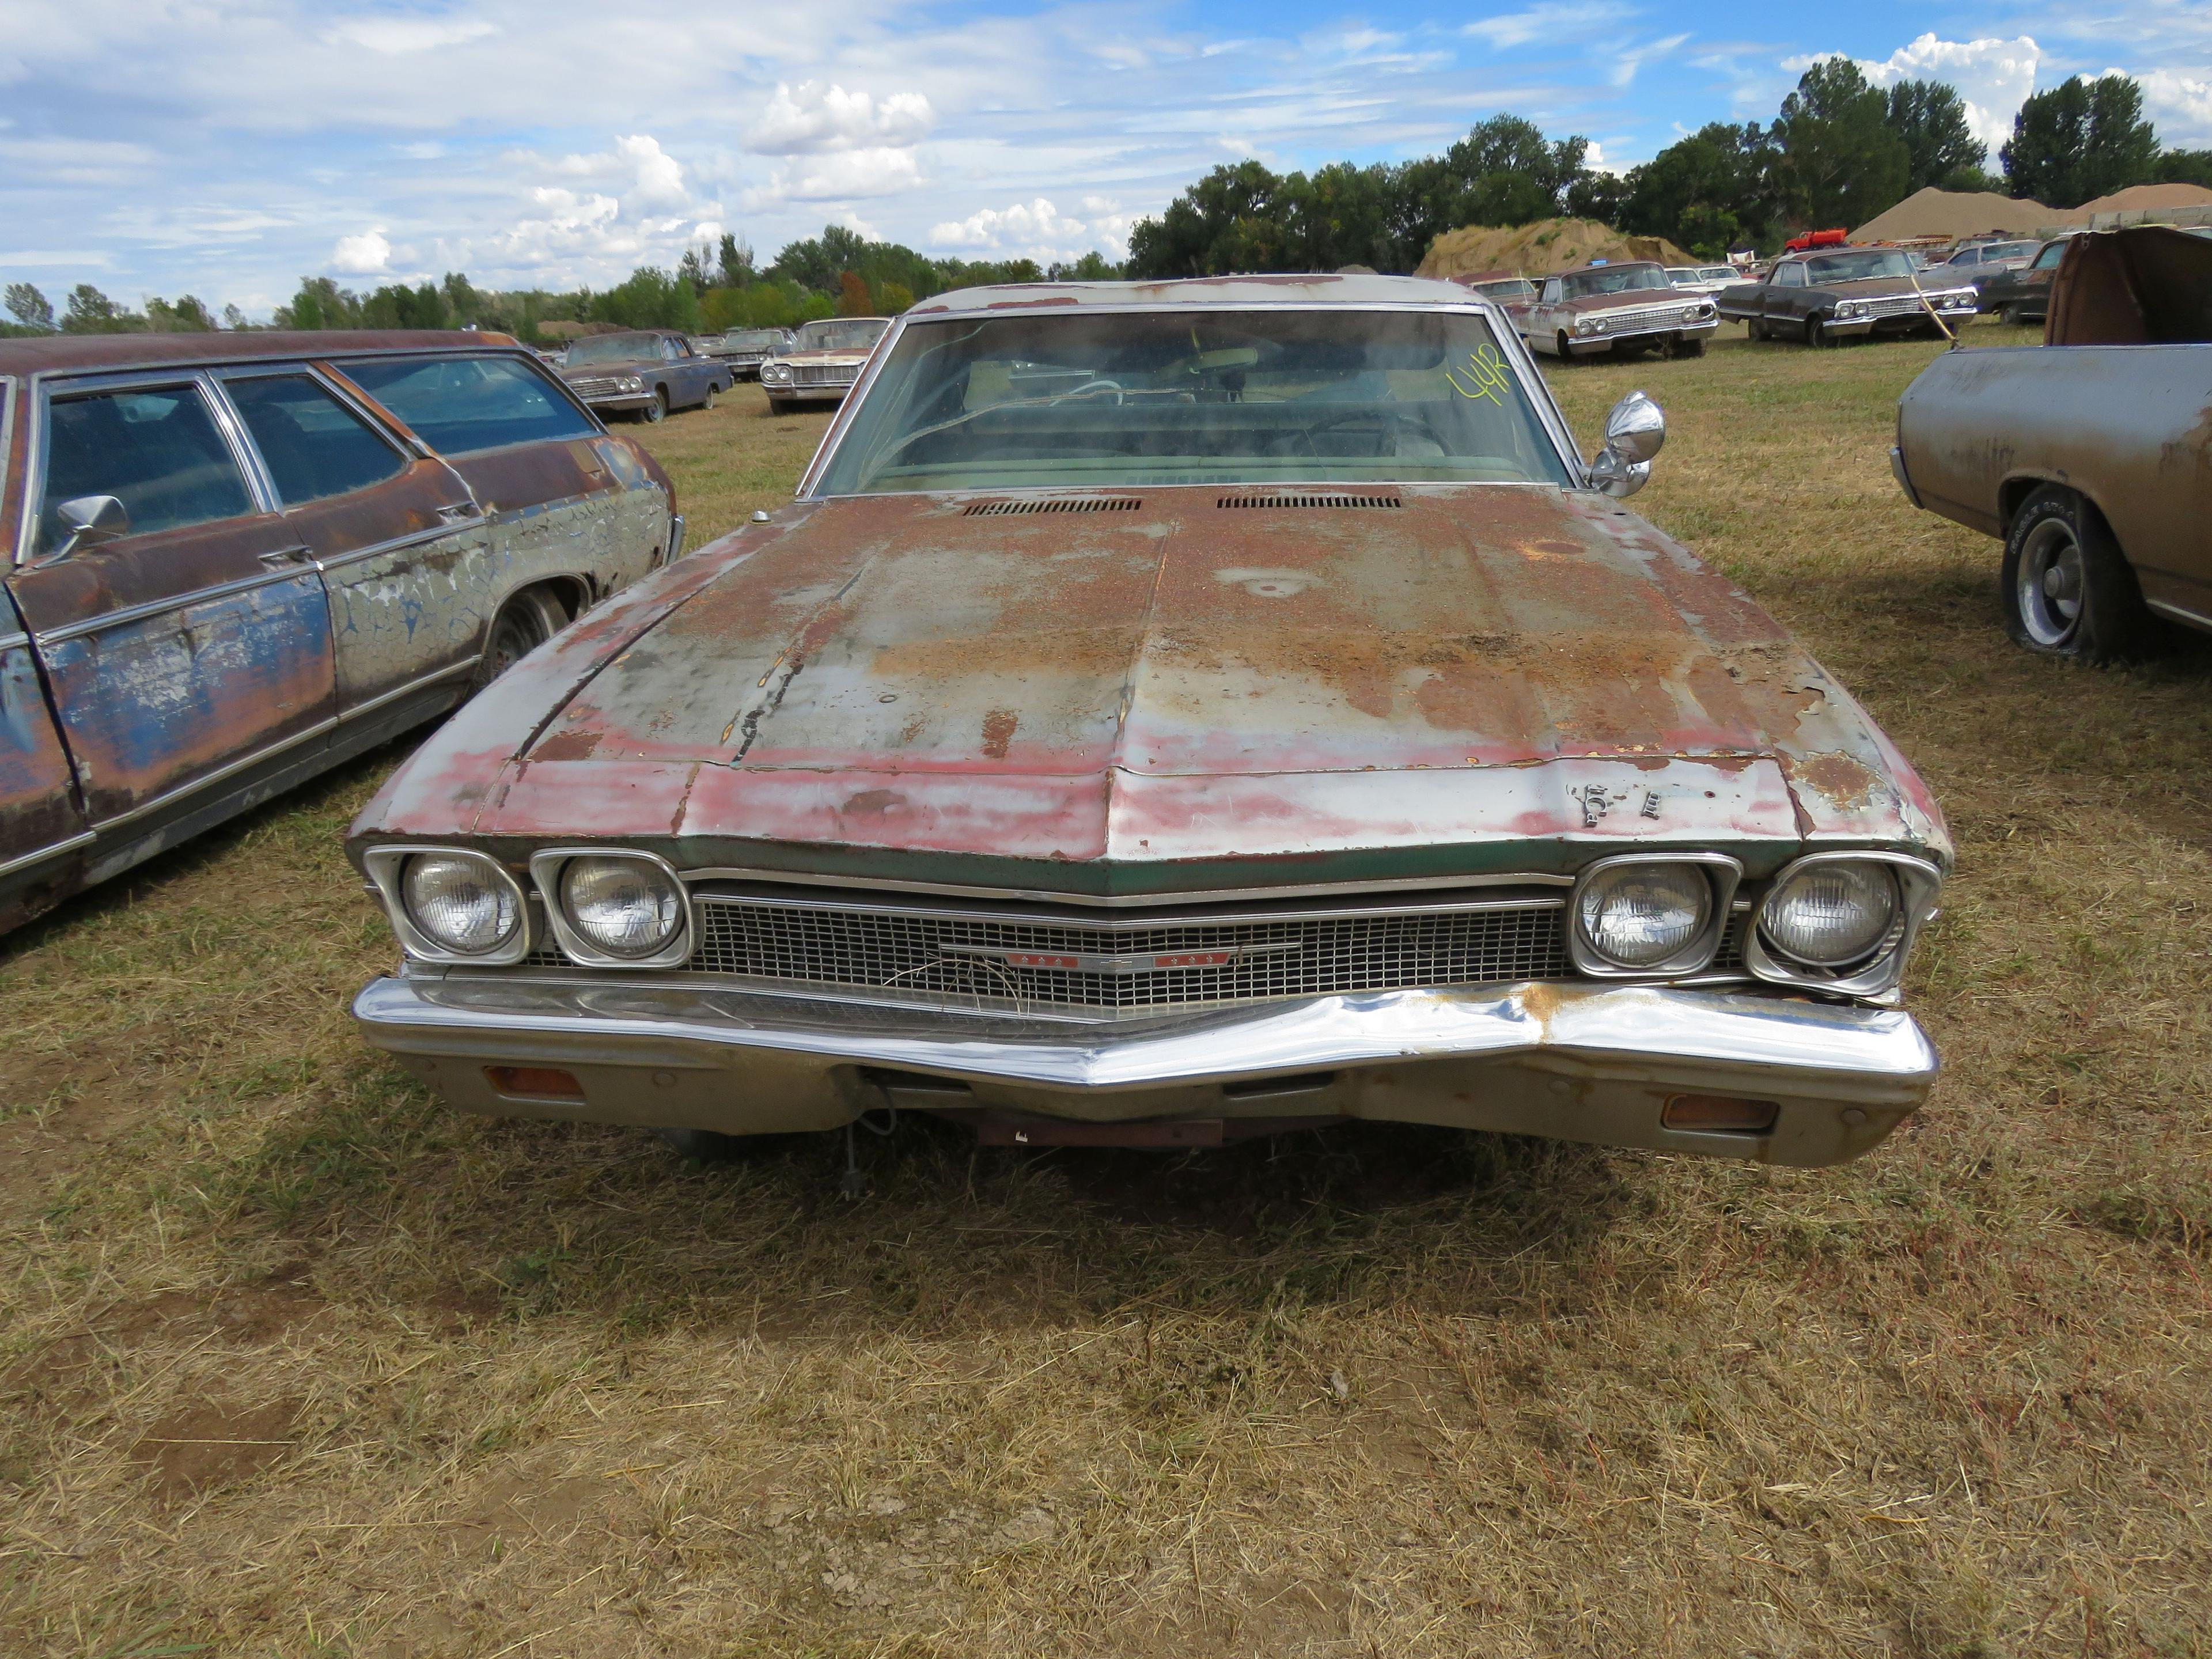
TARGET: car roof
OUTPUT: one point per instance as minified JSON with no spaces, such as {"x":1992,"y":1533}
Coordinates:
{"x":1313,"y":288}
{"x":1611,"y":264}
{"x":57,"y":354}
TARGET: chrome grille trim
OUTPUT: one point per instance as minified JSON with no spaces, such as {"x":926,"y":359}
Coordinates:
{"x":825,"y":374}
{"x":1001,"y":958}
{"x":595,"y":385}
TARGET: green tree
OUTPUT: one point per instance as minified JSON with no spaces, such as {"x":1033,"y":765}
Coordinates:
{"x":234,"y":318}
{"x":397,"y":305}
{"x":649,"y":298}
{"x":1230,"y":218}
{"x":1838,"y":163}
{"x":30,"y":308}
{"x":892,"y":298}
{"x":1504,"y":172}
{"x":1940,"y":147}
{"x":1708,"y":192}
{"x":1092,"y":267}
{"x":187,"y":316}
{"x":2081,"y":140}
{"x":735,"y":260}
{"x":2176,"y":166}
{"x":320,"y":304}
{"x":90,"y":312}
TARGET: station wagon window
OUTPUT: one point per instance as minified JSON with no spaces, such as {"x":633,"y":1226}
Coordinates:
{"x":461,"y":404}
{"x":157,"y":451}
{"x":1188,"y":396}
{"x":313,"y":446}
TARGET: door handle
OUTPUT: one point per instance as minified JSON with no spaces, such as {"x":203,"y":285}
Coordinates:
{"x":282,"y":557}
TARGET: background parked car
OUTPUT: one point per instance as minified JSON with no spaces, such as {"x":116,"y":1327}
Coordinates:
{"x":240,"y":558}
{"x":2087,"y":456}
{"x":745,"y":350}
{"x":1840,"y":292}
{"x":822,"y":362}
{"x":1979,"y":262}
{"x":1608,"y":308}
{"x":1702,"y":279}
{"x":2023,"y":295}
{"x":646,"y":374}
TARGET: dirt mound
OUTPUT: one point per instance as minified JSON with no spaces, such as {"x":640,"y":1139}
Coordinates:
{"x":2136,"y":199}
{"x":1540,"y":249}
{"x":1955,"y":213}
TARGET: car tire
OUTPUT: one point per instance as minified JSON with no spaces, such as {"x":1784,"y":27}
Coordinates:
{"x":2067,"y":589}
{"x":657,"y":410}
{"x":1816,"y":332}
{"x":707,"y":402}
{"x":1689,"y":348}
{"x":524,"y":623}
{"x":1559,"y":341}
{"x":1755,"y":329}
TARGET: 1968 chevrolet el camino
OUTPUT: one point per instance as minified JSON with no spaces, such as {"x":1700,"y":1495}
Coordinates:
{"x":237,"y":559}
{"x":1171,"y":711}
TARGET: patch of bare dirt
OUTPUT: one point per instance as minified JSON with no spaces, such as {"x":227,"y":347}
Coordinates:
{"x":208,"y":1444}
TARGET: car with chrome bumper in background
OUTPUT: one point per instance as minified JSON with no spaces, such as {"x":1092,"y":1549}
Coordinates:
{"x":1613,"y":308}
{"x":2090,"y":456}
{"x":1168,"y":712}
{"x":238,"y":559}
{"x":647,"y":373}
{"x":822,"y":362}
{"x":1834,"y":294}
{"x":745,"y":350}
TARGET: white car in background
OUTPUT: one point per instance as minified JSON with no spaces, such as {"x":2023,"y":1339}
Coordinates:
{"x":1702,"y":279}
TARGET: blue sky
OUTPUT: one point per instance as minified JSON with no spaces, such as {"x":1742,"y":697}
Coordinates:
{"x":226,"y":146}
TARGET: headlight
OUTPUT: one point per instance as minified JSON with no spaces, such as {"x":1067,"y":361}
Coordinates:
{"x":1849,"y":307}
{"x":632,"y":383}
{"x":1831,"y":915}
{"x":1649,"y":915}
{"x":613,"y":908}
{"x":776,"y":372}
{"x":1843,"y":922}
{"x":449,"y":904}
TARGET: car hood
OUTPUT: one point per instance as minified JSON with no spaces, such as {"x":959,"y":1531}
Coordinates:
{"x":1175,"y":691}
{"x":841,"y":354}
{"x":1634,"y":297}
{"x":1886,"y":288}
{"x":603,"y":365}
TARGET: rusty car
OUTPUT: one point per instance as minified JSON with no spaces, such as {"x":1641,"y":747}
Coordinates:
{"x":648,"y":373}
{"x":1830,"y":294}
{"x":1170,"y":712}
{"x":745,"y":350}
{"x":1629,"y":306}
{"x":2022,"y":295}
{"x":2089,"y":456}
{"x":822,"y":362}
{"x":238,"y":559}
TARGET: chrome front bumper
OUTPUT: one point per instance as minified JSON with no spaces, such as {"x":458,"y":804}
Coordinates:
{"x":1588,"y":345}
{"x":1577,"y":1062}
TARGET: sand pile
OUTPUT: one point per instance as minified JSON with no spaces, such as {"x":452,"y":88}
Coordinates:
{"x":2138,"y":198}
{"x":1540,"y":249}
{"x":1955,"y":213}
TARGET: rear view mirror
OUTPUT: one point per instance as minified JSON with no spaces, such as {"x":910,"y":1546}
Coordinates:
{"x":90,"y":521}
{"x":1634,"y":430}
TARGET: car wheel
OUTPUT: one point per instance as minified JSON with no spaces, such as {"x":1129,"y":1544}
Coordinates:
{"x":707,"y":402}
{"x":1755,"y":329}
{"x":1816,"y":334}
{"x":1689,"y":348}
{"x":1561,"y":342}
{"x":2067,"y":589}
{"x":524,"y":623}
{"x":658,"y":408}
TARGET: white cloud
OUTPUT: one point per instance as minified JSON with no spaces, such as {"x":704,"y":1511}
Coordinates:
{"x":811,"y":117}
{"x":78,"y":160}
{"x":366,"y":254}
{"x":1039,"y":230}
{"x":1993,"y":77}
{"x":1571,"y":20}
{"x":396,"y":37}
{"x":2179,"y":103}
{"x":1626,"y":63}
{"x":840,"y":176}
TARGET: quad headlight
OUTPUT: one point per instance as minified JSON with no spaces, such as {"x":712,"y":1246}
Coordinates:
{"x":613,"y":909}
{"x":778,"y":373}
{"x":1646,"y":914}
{"x":1842,"y":921}
{"x":1849,"y":307}
{"x":632,"y":383}
{"x":451,"y":904}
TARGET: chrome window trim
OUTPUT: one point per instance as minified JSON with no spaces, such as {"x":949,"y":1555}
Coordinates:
{"x":1117,"y":901}
{"x":523,"y":355}
{"x":1920,"y":884}
{"x":384,"y":864}
{"x":295,"y":368}
{"x":10,"y":395}
{"x":1509,"y":343}
{"x":545,"y":875}
{"x":1724,"y":873}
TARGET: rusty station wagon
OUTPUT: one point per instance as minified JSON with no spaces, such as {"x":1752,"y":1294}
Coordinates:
{"x":1168,"y":712}
{"x":238,"y":559}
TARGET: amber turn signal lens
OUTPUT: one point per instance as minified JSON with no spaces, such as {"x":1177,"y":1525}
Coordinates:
{"x":534,"y":1083}
{"x":1719,"y":1112}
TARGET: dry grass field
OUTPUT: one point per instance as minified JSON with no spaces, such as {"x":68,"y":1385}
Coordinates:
{"x":294,"y":1363}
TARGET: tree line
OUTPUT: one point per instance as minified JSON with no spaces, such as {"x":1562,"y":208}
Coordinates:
{"x":1838,"y":151}
{"x":712,"y":288}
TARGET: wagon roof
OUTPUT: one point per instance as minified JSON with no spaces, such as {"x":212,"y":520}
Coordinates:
{"x":52,"y":354}
{"x":1317,"y":288}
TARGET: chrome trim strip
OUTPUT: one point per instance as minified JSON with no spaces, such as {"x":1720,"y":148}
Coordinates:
{"x":10,"y":395}
{"x":1039,"y":896}
{"x":160,"y":607}
{"x":415,"y":684}
{"x":1649,"y":1033}
{"x":322,"y":728}
{"x":25,"y":860}
{"x":401,"y":544}
{"x":2180,"y":613}
{"x":1723,"y":874}
{"x":10,"y":642}
{"x":1502,"y":327}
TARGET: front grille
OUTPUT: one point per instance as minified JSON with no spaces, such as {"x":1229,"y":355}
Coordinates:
{"x":1309,"y":499}
{"x":825,"y":374}
{"x":595,"y":385}
{"x":1649,"y":317}
{"x":1898,"y":304}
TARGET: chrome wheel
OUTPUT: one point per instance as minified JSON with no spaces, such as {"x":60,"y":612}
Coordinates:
{"x":2050,"y":584}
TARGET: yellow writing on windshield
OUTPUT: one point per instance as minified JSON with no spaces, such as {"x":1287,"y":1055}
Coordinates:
{"x":1484,"y":372}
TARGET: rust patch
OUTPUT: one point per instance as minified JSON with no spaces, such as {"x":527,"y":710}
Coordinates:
{"x":575,"y":744}
{"x":877,"y":801}
{"x":1843,"y":780}
{"x":998,"y":731}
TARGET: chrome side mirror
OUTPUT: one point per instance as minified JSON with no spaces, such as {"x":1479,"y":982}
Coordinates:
{"x":91,"y":519}
{"x":1634,"y":430}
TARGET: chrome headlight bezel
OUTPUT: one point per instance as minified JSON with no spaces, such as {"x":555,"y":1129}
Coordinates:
{"x":777,"y":372}
{"x":546,"y":869}
{"x":1849,"y":307}
{"x":1919,"y":883}
{"x":1721,"y":875}
{"x":387,"y":868}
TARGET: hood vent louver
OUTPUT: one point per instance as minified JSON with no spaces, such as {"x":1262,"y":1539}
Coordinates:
{"x":1332,"y":498}
{"x":1054,"y":504}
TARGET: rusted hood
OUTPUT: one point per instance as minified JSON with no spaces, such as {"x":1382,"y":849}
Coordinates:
{"x":1456,"y":679}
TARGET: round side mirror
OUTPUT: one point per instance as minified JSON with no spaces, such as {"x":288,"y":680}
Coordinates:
{"x":1636,"y":428}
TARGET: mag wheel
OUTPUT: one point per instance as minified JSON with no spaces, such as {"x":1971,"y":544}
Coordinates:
{"x":658,"y":408}
{"x":2068,"y":590}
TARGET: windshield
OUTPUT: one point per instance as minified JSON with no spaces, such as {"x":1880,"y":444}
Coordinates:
{"x":1613,"y":279}
{"x":753,"y":339}
{"x":841,"y":334}
{"x":612,"y":349}
{"x":1506,"y":288}
{"x":1852,"y":267}
{"x":1185,"y":396}
{"x":1720,"y":273}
